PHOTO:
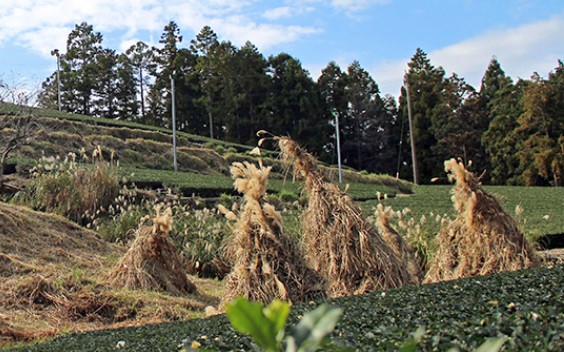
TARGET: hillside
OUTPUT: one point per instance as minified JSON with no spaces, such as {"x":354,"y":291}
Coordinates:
{"x":144,"y":154}
{"x":51,"y":281}
{"x":52,"y":271}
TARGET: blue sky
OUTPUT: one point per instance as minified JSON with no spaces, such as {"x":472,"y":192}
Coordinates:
{"x":460,"y":35}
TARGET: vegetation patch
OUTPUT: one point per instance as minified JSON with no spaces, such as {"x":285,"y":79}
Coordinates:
{"x":51,"y":282}
{"x":525,"y":306}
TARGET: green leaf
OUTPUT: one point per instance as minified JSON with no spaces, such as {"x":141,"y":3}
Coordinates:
{"x":410,"y":345}
{"x":277,"y":313}
{"x":249,"y":318}
{"x":492,"y":344}
{"x":313,"y":327}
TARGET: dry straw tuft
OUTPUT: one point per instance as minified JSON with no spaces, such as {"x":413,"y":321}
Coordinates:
{"x":267,"y":262}
{"x":483,"y":238}
{"x":340,"y":244}
{"x":397,"y":242}
{"x":153,"y":262}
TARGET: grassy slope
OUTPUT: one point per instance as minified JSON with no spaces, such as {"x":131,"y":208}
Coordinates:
{"x":459,"y":313}
{"x":145,"y":151}
{"x":51,"y":281}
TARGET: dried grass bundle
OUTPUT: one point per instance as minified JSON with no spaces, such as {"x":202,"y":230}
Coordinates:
{"x":483,"y":238}
{"x":340,"y":244}
{"x":398,"y":243}
{"x":153,"y":262}
{"x":267,"y":263}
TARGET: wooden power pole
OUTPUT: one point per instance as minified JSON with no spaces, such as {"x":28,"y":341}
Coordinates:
{"x":411,"y":136}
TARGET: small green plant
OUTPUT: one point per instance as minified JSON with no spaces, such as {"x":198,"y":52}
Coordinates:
{"x":267,"y":325}
{"x":288,"y":196}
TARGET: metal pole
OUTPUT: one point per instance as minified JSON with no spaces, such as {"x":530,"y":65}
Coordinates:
{"x":411,"y":136}
{"x":338,"y":145}
{"x":173,"y":122}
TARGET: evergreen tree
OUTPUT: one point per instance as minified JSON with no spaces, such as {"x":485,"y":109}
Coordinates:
{"x":79,"y":69}
{"x":363,"y":105}
{"x":204,"y":48}
{"x":250,"y":93}
{"x":294,"y":103}
{"x":141,"y":59}
{"x":493,"y":80}
{"x":159,"y":96}
{"x":426,"y":84}
{"x":191,"y":116}
{"x":541,"y":128}
{"x":106,"y":84}
{"x":126,"y":90}
{"x":502,"y":102}
{"x":458,"y":123}
{"x":332,"y":85}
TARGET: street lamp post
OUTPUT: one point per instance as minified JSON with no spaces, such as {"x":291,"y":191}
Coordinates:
{"x":55,"y":52}
{"x":173,"y":121}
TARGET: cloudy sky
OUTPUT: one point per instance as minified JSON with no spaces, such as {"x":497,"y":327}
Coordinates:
{"x":526,"y":36}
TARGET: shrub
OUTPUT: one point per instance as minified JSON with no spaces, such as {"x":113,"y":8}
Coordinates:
{"x":75,"y":192}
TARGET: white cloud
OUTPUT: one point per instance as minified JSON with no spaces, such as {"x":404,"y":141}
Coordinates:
{"x":287,"y":11}
{"x":356,"y":5}
{"x":520,"y":51}
{"x":39,"y":25}
{"x":278,"y":12}
{"x":264,"y":36}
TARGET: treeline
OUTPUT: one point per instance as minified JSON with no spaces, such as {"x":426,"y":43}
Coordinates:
{"x":511,"y":130}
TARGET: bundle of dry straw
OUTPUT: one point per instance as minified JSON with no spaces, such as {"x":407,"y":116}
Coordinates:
{"x":483,"y":238}
{"x":340,"y":244}
{"x":153,"y":262}
{"x":398,"y":243}
{"x":267,"y":262}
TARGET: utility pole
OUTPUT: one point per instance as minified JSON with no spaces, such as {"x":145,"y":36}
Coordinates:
{"x":172,"y":97}
{"x":336,"y":115}
{"x":55,"y":52}
{"x":411,"y":137}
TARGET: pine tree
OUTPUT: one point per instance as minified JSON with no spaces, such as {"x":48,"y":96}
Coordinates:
{"x":426,"y":84}
{"x":502,"y":102}
{"x":203,"y":47}
{"x":294,"y":103}
{"x":141,"y":59}
{"x":79,"y":69}
{"x":159,"y":97}
{"x":360,"y":121}
{"x":250,"y":93}
{"x":332,"y":87}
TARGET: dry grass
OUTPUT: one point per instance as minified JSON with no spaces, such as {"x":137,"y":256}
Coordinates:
{"x":51,"y":282}
{"x":398,"y":243}
{"x":153,"y":262}
{"x":340,"y":244}
{"x":267,"y":262}
{"x":483,"y":238}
